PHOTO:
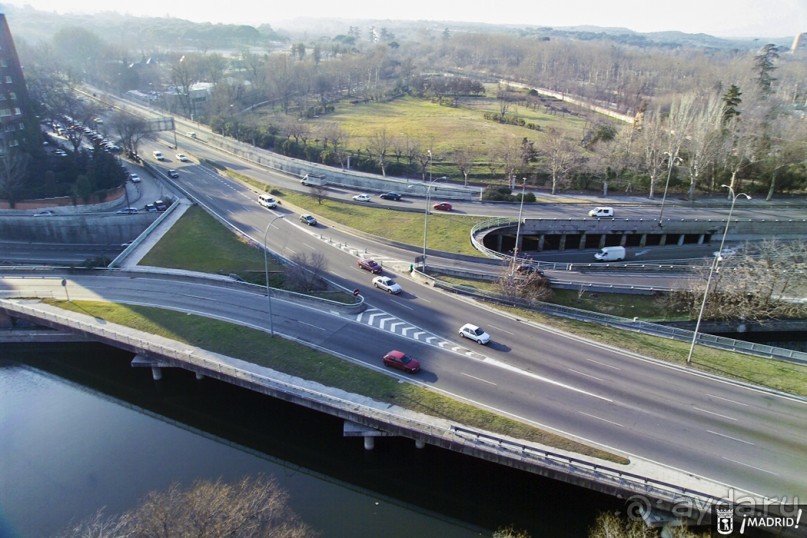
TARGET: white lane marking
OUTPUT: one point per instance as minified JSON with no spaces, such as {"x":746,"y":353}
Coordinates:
{"x":727,"y":400}
{"x":750,"y":466}
{"x":505,"y":366}
{"x":499,"y":329}
{"x":584,"y":374}
{"x":713,"y":413}
{"x":730,"y":437}
{"x":602,"y":419}
{"x":478,"y":379}
{"x":604,"y":364}
{"x":406,"y":306}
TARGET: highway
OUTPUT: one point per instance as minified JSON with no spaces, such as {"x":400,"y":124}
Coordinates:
{"x":742,"y":436}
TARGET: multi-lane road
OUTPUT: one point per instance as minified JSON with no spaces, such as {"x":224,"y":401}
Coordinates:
{"x":739,"y":435}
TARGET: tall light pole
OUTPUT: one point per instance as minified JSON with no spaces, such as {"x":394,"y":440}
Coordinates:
{"x":516,"y":250}
{"x":266,"y":271}
{"x":672,"y":160}
{"x":714,"y":267}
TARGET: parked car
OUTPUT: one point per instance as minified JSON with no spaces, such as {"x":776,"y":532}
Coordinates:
{"x":401,"y":361}
{"x":369,"y":265}
{"x":361,"y":198}
{"x":134,"y":178}
{"x":308,"y":219}
{"x":150,"y":208}
{"x":160,"y":205}
{"x":472,"y":332}
{"x":173,"y":174}
{"x":128,"y":211}
{"x":601,"y":212}
{"x":443,"y":206}
{"x":391,"y":196}
{"x":45,"y":213}
{"x":387,"y":284}
{"x":182,"y":157}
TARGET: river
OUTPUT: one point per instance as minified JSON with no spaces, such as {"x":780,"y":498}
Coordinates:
{"x":81,"y":429}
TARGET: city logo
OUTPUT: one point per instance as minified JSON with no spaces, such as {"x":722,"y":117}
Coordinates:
{"x":724,"y":520}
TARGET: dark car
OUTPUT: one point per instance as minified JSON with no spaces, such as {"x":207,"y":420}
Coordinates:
{"x":527,"y":269}
{"x":173,"y":174}
{"x":160,"y":205}
{"x":150,"y":208}
{"x":401,"y":361}
{"x":443,"y":206}
{"x":308,"y":219}
{"x":369,"y":265}
{"x":391,"y":196}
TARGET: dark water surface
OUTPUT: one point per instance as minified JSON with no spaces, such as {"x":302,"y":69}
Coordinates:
{"x":81,"y":429}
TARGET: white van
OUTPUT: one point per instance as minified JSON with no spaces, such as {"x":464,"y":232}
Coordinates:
{"x":601,"y":212}
{"x":158,"y":155}
{"x":267,"y":201}
{"x":610,"y":254}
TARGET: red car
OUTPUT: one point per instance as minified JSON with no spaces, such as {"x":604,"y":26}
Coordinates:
{"x":402,"y":361}
{"x":369,"y":265}
{"x":442,"y":206}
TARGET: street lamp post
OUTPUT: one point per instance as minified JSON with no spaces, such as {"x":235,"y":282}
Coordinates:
{"x":713,"y":268}
{"x":671,"y":163}
{"x":266,"y":271}
{"x":516,"y":249}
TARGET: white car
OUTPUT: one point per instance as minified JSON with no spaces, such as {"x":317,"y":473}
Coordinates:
{"x":182,"y":157}
{"x":362,"y":198}
{"x":725,"y":253}
{"x":134,"y":178}
{"x":472,"y":332}
{"x":601,"y":212}
{"x":387,"y":284}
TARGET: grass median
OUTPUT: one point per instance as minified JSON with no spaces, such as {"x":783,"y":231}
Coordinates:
{"x":298,"y":360}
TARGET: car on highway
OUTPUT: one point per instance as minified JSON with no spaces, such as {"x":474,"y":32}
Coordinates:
{"x":369,"y":265}
{"x":134,"y":178}
{"x":173,"y":174}
{"x":128,"y":211}
{"x":601,"y":212}
{"x":391,"y":196}
{"x":361,"y":198}
{"x":161,"y":205}
{"x":182,"y":157}
{"x":158,"y":155}
{"x":308,"y":219}
{"x":387,"y":284}
{"x":725,"y":253}
{"x":443,"y":206}
{"x":529,"y":269}
{"x":475,"y":333}
{"x":267,"y":200}
{"x":45,"y":213}
{"x":401,"y":361}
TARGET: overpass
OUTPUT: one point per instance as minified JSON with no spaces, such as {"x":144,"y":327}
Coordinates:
{"x":660,"y":486}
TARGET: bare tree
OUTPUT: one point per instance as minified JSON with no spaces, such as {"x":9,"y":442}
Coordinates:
{"x":522,"y":283}
{"x":464,"y":158}
{"x":560,"y":158}
{"x":378,"y":146}
{"x":252,"y":507}
{"x":307,"y":272}
{"x":129,"y":131}
{"x":787,"y":148}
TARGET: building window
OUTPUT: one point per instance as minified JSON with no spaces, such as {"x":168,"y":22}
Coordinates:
{"x":12,"y":96}
{"x":5,"y":112}
{"x":8,"y":79}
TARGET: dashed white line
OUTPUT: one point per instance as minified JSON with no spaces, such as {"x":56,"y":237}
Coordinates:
{"x":750,"y":466}
{"x":726,"y":400}
{"x":479,"y":379}
{"x":730,"y":437}
{"x":713,"y":413}
{"x":499,"y":329}
{"x":604,"y":364}
{"x":602,"y":419}
{"x":584,"y":374}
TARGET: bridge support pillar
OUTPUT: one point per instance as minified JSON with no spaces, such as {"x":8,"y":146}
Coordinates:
{"x":681,"y":239}
{"x":562,"y":243}
{"x":199,"y":376}
{"x":156,"y":373}
{"x":541,"y":242}
{"x":369,"y":442}
{"x":662,"y":240}
{"x":420,"y":443}
{"x":582,"y":241}
{"x":603,"y":237}
{"x":643,"y":240}
{"x":701,"y":237}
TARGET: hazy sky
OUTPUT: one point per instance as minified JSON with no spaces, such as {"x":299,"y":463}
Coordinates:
{"x":739,"y":18}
